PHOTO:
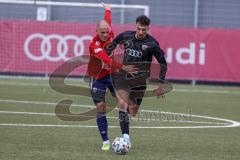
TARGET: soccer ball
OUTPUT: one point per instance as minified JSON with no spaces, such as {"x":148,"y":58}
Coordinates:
{"x":120,"y":146}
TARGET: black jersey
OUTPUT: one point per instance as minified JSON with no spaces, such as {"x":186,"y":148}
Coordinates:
{"x":140,"y":52}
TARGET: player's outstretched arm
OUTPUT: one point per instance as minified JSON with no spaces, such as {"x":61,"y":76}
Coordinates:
{"x":107,"y":14}
{"x":106,"y":6}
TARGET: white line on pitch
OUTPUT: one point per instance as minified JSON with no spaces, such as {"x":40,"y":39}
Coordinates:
{"x":40,"y":103}
{"x":83,"y":106}
{"x":135,"y":119}
{"x":174,"y":90}
{"x":231,"y":123}
{"x":92,"y":126}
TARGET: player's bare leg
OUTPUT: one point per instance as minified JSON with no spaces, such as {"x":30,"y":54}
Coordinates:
{"x":122,"y":97}
{"x":132,"y":108}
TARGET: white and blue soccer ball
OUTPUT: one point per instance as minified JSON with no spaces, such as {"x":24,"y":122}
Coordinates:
{"x":120,"y":146}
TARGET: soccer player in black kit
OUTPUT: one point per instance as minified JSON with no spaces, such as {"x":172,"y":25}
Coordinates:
{"x":139,"y":49}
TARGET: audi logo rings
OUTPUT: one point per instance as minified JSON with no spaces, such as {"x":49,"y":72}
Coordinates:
{"x":61,"y":48}
{"x":133,"y":53}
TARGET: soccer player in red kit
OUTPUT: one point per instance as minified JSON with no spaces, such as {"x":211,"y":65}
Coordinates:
{"x":100,"y":66}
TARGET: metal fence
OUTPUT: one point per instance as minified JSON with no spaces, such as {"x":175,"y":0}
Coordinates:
{"x":185,"y":13}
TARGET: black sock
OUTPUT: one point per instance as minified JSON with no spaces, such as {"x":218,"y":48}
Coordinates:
{"x":124,"y":122}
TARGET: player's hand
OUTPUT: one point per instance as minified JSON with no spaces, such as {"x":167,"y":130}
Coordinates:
{"x":106,"y":6}
{"x":131,"y":69}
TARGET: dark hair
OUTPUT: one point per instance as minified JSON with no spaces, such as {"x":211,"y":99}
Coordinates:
{"x":143,"y":20}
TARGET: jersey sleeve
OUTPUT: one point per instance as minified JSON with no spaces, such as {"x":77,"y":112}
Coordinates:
{"x":108,"y":17}
{"x":102,"y":55}
{"x":159,"y":55}
{"x":117,"y":40}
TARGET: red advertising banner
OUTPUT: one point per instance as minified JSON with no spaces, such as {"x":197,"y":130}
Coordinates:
{"x":201,"y":54}
{"x":192,"y":54}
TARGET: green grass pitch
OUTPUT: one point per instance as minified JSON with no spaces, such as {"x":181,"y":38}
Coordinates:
{"x":190,"y":123}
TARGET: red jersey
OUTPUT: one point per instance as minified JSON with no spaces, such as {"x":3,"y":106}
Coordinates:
{"x":100,"y":62}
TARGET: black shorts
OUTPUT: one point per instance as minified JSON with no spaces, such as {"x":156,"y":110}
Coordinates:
{"x":134,"y":86}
